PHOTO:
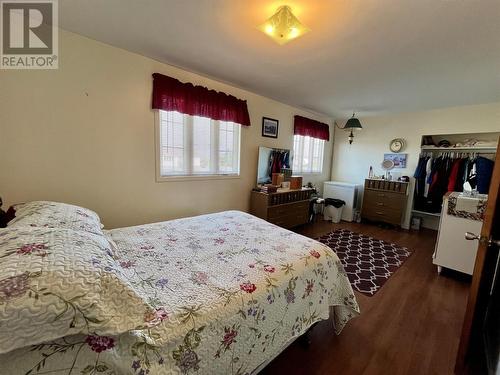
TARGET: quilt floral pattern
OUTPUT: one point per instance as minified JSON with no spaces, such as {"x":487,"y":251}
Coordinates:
{"x":227,"y":291}
{"x":60,"y":282}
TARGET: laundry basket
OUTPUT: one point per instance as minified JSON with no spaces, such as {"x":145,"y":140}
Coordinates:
{"x":333,"y":209}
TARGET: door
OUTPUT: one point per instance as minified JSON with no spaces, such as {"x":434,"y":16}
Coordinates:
{"x":492,"y":324}
{"x":452,"y":249}
{"x":471,"y":346}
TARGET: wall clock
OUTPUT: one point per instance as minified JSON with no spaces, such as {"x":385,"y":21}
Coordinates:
{"x":397,"y":145}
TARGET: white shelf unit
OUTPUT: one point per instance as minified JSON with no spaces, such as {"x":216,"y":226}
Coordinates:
{"x":437,"y":214}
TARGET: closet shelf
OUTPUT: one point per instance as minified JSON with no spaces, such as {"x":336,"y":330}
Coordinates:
{"x":437,"y":214}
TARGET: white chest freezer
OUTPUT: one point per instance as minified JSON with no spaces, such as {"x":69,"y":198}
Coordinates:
{"x":346,"y":191}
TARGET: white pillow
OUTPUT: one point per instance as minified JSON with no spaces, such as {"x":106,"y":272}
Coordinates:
{"x":56,"y":215}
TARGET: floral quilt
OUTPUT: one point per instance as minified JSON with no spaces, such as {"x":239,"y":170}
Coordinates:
{"x":229,"y":291}
{"x":60,"y":282}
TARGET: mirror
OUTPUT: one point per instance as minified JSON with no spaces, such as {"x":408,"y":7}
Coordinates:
{"x":271,"y":160}
{"x":388,"y":164}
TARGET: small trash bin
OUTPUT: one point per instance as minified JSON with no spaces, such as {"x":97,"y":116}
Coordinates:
{"x":333,"y":209}
{"x":416,"y":222}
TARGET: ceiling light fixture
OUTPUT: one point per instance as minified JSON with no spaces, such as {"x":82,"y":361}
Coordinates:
{"x":351,"y":124}
{"x":283,"y":26}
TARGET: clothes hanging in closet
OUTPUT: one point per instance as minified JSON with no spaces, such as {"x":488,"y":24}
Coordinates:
{"x":428,"y":170}
{"x":452,"y":180}
{"x":484,"y":170}
{"x":420,"y":176}
{"x":434,"y":177}
{"x":462,"y":168}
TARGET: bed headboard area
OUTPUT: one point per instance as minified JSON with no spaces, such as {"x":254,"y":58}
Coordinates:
{"x":5,"y":217}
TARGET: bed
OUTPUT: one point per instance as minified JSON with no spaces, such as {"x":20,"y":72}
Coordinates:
{"x":222,"y":293}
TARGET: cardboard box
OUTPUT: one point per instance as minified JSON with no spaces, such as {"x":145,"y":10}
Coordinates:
{"x":296,"y":182}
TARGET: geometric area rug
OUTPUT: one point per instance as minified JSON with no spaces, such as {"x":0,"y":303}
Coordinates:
{"x":368,"y":262}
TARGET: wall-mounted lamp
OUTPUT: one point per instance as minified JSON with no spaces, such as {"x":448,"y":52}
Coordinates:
{"x":351,"y":124}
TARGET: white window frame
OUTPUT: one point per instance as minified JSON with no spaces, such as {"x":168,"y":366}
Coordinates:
{"x":299,"y":154}
{"x":188,"y":151}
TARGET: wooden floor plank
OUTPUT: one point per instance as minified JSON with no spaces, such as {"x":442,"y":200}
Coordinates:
{"x":411,"y":325}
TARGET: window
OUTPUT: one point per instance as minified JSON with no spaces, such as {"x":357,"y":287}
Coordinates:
{"x":307,"y":154}
{"x":197,"y":146}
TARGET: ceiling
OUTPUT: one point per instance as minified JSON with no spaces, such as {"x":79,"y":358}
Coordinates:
{"x":370,"y":56}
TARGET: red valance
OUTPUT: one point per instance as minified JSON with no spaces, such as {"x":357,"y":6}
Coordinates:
{"x":171,"y":94}
{"x":311,"y":128}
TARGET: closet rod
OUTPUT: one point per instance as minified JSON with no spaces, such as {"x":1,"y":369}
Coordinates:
{"x":484,"y":150}
{"x":459,"y":151}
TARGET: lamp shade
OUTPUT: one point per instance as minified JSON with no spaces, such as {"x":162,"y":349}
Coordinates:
{"x":353,"y":123}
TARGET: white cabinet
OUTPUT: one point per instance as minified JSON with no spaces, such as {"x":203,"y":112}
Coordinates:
{"x":348,"y":192}
{"x":452,"y":249}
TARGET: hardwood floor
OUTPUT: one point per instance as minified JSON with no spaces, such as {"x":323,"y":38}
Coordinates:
{"x":411,"y":325}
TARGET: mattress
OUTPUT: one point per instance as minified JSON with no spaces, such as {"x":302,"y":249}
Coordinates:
{"x":230,"y":291}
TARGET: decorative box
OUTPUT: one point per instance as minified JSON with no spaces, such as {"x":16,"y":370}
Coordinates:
{"x":296,"y":182}
{"x":278,"y":178}
{"x":287,"y":172}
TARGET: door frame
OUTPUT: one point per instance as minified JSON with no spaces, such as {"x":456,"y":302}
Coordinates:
{"x":482,"y":275}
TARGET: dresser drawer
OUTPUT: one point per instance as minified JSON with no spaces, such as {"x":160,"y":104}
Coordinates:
{"x":284,"y":208}
{"x":387,"y":215}
{"x":288,"y":209}
{"x":383,"y":199}
{"x":290,"y":220}
{"x":394,"y":186}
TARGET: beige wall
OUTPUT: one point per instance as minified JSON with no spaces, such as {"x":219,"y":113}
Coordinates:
{"x":84,"y":134}
{"x":351,"y":163}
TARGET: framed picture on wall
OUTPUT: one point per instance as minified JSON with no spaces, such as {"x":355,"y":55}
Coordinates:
{"x":398,"y":159}
{"x":269,"y":127}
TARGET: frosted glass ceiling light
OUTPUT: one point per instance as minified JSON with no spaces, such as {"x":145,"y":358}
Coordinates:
{"x":283,"y":26}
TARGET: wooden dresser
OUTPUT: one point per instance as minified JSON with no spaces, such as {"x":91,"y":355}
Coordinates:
{"x":288,"y":208}
{"x":384,"y":201}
